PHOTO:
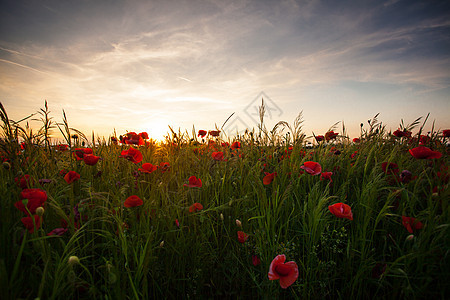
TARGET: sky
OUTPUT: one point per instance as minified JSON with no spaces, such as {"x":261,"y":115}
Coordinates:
{"x":143,"y":65}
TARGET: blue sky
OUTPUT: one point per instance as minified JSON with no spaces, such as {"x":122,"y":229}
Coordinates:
{"x":143,"y":65}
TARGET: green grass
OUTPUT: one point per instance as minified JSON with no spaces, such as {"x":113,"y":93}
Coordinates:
{"x":140,"y":252}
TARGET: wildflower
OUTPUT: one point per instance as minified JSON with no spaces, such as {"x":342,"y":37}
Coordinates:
{"x":35,"y":198}
{"x":79,"y":153}
{"x":389,"y":168}
{"x":287,"y":272}
{"x":353,"y":155}
{"x":311,"y":167}
{"x":30,"y":224}
{"x":133,"y":155}
{"x":236,"y":145}
{"x":319,"y":138}
{"x":202,"y":133}
{"x":423,"y":152}
{"x":405,"y":176}
{"x":195,"y":207}
{"x":194,"y":182}
{"x":57,"y":231}
{"x":71,"y":176}
{"x":424,"y":139}
{"x":356,"y":140}
{"x":132,"y":138}
{"x":133,"y":201}
{"x":164,"y":166}
{"x":341,"y":210}
{"x":148,"y":168}
{"x":242,"y":237}
{"x":62,"y":147}
{"x":411,"y":224}
{"x":446,"y":133}
{"x":330,"y":135}
{"x":24,"y":181}
{"x":177,"y":223}
{"x":402,"y":133}
{"x":326,"y":176}
{"x":269,"y":177}
{"x":255,"y":260}
{"x":238,"y":223}
{"x":90,"y":159}
{"x":144,"y":135}
{"x":217,"y":155}
{"x":214,"y":132}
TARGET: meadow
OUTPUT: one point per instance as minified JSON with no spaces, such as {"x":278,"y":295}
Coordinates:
{"x":268,"y":214}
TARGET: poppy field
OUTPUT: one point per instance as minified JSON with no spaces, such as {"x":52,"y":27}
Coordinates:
{"x":271,"y":213}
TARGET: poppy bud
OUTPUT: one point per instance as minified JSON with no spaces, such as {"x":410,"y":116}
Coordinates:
{"x":230,"y":203}
{"x":410,"y":237}
{"x":221,"y":217}
{"x":238,"y":223}
{"x":161,"y":244}
{"x":74,"y":260}
{"x":40,"y":211}
{"x":6,"y":165}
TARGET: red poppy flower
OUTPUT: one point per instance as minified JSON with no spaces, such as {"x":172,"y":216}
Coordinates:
{"x":214,"y":132}
{"x":35,"y":197}
{"x":144,"y":135}
{"x":286,"y":272}
{"x":353,"y":155}
{"x":331,"y":135}
{"x":217,"y":155}
{"x":24,"y":181}
{"x":422,"y":152}
{"x":236,"y":145}
{"x":91,"y":159}
{"x":411,"y":224}
{"x":402,"y":133}
{"x":341,"y":210}
{"x":79,"y":153}
{"x":424,"y":139}
{"x":389,"y":168}
{"x":28,"y":223}
{"x":319,"y":138}
{"x":311,"y":167}
{"x":133,"y":201}
{"x":356,"y":140}
{"x":62,"y":147}
{"x":326,"y":176}
{"x":194,"y":182}
{"x":132,"y":138}
{"x":242,"y":237}
{"x":133,"y":155}
{"x":164,"y":166}
{"x":446,"y":133}
{"x":148,"y":168}
{"x":269,"y":177}
{"x":255,"y":260}
{"x":195,"y":207}
{"x":57,"y":231}
{"x":202,"y":133}
{"x":71,"y":176}
{"x":177,"y":223}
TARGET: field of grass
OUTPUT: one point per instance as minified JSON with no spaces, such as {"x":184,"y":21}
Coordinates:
{"x":202,"y":215}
